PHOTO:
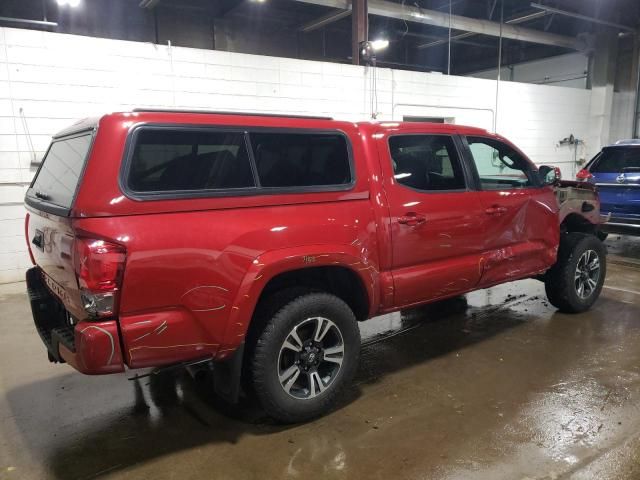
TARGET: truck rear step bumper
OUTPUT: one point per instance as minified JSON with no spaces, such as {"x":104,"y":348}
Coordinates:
{"x":90,"y":347}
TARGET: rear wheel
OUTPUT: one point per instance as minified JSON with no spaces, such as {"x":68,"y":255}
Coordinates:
{"x":574,"y":283}
{"x":305,"y":356}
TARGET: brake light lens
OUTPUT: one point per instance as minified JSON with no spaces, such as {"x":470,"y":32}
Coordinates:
{"x":583,"y":175}
{"x":99,"y":267}
{"x":26,"y":236}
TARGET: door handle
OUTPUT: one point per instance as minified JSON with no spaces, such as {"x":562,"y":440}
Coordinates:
{"x":496,"y":210}
{"x":412,"y":219}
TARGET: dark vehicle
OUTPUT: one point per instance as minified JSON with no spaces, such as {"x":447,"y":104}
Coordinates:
{"x":616,"y":173}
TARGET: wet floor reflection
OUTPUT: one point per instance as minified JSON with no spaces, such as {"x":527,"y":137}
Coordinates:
{"x":495,"y":384}
{"x":626,"y":247}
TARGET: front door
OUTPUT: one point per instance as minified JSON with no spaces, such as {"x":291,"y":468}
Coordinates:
{"x":436,"y":220}
{"x":521,"y":228}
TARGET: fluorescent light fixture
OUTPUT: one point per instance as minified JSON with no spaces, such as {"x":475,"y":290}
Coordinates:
{"x":71,"y":3}
{"x":421,"y":16}
{"x":379,"y":44}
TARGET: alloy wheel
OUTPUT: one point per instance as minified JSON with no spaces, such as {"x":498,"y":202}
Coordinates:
{"x":310,"y":357}
{"x":587,"y":274}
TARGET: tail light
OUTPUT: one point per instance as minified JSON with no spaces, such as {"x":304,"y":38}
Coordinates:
{"x":99,"y":267}
{"x":583,"y":175}
{"x":26,"y":236}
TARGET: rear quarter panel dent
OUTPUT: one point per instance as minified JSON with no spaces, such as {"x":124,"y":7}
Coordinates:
{"x":188,"y":268}
{"x":270,"y":264}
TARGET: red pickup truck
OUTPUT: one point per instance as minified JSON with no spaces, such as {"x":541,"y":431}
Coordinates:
{"x":257,"y":242}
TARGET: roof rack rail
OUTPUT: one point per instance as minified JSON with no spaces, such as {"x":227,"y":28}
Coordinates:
{"x":223,"y":112}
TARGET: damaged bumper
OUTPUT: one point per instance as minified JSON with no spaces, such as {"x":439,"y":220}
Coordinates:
{"x":92,"y":348}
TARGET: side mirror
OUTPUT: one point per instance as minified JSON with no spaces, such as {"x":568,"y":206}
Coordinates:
{"x":549,"y":175}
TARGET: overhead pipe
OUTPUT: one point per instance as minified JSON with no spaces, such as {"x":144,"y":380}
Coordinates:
{"x":43,"y":23}
{"x":411,"y":13}
{"x":149,"y":3}
{"x":324,"y":20}
{"x":513,"y":21}
{"x":440,"y":40}
{"x":579,"y":16}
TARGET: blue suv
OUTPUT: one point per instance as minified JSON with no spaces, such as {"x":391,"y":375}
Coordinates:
{"x":616,"y":172}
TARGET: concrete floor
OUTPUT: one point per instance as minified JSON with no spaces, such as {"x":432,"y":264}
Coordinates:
{"x":496,"y":385}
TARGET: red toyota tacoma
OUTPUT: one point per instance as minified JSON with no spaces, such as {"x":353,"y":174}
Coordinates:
{"x":257,"y":242}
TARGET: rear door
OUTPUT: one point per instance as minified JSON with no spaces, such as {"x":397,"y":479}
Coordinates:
{"x":49,"y":200}
{"x":520,"y":215}
{"x":616,"y":172}
{"x":436,"y":222}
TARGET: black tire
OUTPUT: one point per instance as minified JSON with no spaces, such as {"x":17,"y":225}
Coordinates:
{"x":602,"y":236}
{"x":265,"y":311}
{"x":268,"y":359}
{"x":561,"y":284}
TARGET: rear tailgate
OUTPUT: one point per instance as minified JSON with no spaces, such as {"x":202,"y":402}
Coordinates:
{"x":49,"y":231}
{"x":611,"y":193}
{"x":617,"y":175}
{"x":51,"y":242}
{"x":619,"y":193}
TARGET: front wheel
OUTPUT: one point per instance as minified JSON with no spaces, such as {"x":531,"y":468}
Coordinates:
{"x":305,"y":356}
{"x":574,"y":283}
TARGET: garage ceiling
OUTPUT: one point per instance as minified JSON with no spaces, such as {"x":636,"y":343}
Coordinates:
{"x":321,"y":29}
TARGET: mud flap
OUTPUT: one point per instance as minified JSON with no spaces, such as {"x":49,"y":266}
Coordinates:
{"x":226,"y":376}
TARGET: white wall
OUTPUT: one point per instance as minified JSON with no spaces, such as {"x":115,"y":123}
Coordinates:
{"x":55,"y":79}
{"x":622,"y":111}
{"x":567,"y":70}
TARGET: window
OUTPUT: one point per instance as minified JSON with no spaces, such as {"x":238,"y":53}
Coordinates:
{"x":426,"y":162}
{"x":617,"y":159}
{"x":57,"y":179}
{"x":180,"y":159}
{"x":301,"y":159}
{"x":499,"y":166}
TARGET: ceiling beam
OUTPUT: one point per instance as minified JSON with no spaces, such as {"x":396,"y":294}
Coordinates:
{"x":513,"y":21}
{"x":359,"y":27}
{"x":411,"y":13}
{"x":325,"y":20}
{"x":29,"y":22}
{"x":149,"y":3}
{"x":441,"y":40}
{"x":583,"y":17}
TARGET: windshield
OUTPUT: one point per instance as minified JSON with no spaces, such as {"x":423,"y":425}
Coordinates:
{"x":58,"y":177}
{"x":615,"y":160}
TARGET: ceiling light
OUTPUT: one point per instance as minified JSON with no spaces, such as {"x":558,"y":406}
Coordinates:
{"x":420,"y":15}
{"x":380,"y":44}
{"x":71,"y":3}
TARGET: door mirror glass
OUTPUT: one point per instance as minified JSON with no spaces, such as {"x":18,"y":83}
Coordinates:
{"x":549,"y":175}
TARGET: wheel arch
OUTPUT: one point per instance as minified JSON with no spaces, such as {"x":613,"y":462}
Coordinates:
{"x":339,"y":270}
{"x":574,"y":222}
